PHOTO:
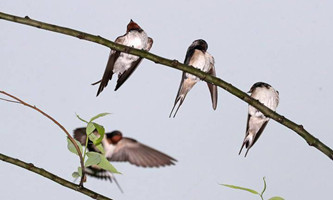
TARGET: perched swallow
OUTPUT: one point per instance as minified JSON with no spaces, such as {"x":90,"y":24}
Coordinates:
{"x":122,"y":63}
{"x":198,"y":57}
{"x":256,"y":121}
{"x":119,"y":148}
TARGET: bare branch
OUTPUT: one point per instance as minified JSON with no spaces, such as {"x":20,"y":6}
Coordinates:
{"x":46,"y":174}
{"x":57,"y":123}
{"x":311,"y":140}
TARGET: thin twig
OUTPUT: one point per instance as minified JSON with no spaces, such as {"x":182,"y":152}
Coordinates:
{"x":53,"y":177}
{"x":11,"y":101}
{"x":310,"y":139}
{"x":58,"y":124}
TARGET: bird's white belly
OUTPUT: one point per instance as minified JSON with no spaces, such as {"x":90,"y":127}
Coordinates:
{"x":135,"y":40}
{"x":198,"y":61}
{"x":109,"y":148}
{"x":124,"y":62}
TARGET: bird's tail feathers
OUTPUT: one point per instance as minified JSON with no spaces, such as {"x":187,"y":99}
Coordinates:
{"x":185,"y":87}
{"x":96,"y":82}
{"x":112,"y":177}
{"x":179,"y":99}
{"x":247,"y":143}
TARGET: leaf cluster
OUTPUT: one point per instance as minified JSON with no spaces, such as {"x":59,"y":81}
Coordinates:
{"x":94,"y":158}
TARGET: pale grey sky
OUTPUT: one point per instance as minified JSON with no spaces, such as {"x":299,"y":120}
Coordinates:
{"x":288,"y":44}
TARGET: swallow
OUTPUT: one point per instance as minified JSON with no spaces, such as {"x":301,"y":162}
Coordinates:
{"x":257,"y":121}
{"x":123,"y":149}
{"x":122,"y":63}
{"x":197,"y":57}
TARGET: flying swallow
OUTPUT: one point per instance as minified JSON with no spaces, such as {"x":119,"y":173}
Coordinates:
{"x":257,"y":121}
{"x":197,"y":57}
{"x":119,"y":148}
{"x":122,"y":63}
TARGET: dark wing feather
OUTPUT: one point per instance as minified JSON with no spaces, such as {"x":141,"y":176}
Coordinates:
{"x":178,"y":96}
{"x":139,"y":154}
{"x":259,"y":133}
{"x":81,"y":136}
{"x":247,"y":125}
{"x":124,"y":76}
{"x":188,"y":56}
{"x":245,"y":142}
{"x":109,"y":66}
{"x":213,"y":88}
{"x":108,"y":71}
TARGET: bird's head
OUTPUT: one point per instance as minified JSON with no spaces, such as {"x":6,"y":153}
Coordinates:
{"x":133,"y":26}
{"x":114,"y":137}
{"x":200,"y":45}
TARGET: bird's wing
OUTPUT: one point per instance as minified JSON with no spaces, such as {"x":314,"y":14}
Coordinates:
{"x":179,"y":97}
{"x":139,"y":154}
{"x":246,"y":142}
{"x":126,"y":74}
{"x":247,"y":125}
{"x":81,"y":136}
{"x":182,"y":91}
{"x":259,"y":132}
{"x":189,"y":54}
{"x":149,"y":44}
{"x":109,"y":66}
{"x":212,"y":87}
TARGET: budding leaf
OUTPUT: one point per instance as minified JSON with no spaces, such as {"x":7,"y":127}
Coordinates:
{"x":276,"y":198}
{"x":241,"y":188}
{"x":75,"y":175}
{"x":98,"y":116}
{"x":71,"y":146}
{"x":100,"y":129}
{"x":90,"y":128}
{"x":81,"y":118}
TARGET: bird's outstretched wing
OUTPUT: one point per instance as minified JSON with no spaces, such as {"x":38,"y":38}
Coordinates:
{"x":139,"y":154}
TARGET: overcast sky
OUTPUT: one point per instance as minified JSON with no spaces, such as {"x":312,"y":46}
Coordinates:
{"x":288,"y":44}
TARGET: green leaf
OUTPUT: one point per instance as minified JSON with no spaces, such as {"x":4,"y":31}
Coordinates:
{"x":90,"y":128}
{"x":98,"y":116}
{"x":81,"y":118}
{"x":94,"y":139}
{"x":264,"y":187}
{"x":79,"y":170}
{"x":105,"y":164}
{"x":276,"y":198}
{"x":93,"y":159}
{"x":100,"y":148}
{"x":75,"y":175}
{"x":241,"y":188}
{"x":71,"y":146}
{"x":101,"y":131}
